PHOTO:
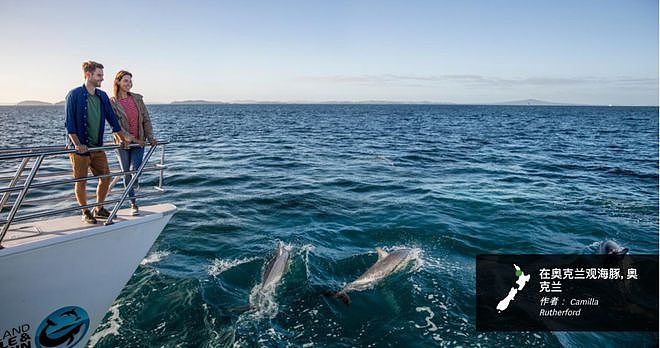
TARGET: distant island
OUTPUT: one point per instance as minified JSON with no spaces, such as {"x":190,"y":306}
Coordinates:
{"x":32,"y":103}
{"x":196,"y":102}
{"x":384,"y":102}
{"x":38,"y":103}
{"x":258,"y":102}
{"x":534,"y":102}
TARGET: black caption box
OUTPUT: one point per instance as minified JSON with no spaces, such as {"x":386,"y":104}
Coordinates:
{"x":567,"y":292}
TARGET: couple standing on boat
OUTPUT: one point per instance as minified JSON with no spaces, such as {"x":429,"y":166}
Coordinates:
{"x":87,"y":109}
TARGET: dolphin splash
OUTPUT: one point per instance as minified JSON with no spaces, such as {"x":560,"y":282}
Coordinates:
{"x":387,"y":264}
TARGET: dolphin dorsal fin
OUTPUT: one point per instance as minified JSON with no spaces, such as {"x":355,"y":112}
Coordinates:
{"x":381,"y":253}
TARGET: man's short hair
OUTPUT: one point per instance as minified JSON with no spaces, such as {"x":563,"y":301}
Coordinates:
{"x":91,"y":66}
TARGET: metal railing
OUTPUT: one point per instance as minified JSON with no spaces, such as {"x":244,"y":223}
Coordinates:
{"x":24,"y":183}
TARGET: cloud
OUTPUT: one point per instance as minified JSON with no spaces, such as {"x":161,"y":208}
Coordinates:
{"x":484,"y":81}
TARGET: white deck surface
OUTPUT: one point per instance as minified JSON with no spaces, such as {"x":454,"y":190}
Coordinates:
{"x":44,"y":229}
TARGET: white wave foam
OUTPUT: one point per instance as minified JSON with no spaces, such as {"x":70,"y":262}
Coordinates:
{"x":155,"y":257}
{"x":220,"y":266}
{"x":110,"y":327}
{"x":445,"y":265}
{"x":594,"y":245}
{"x":305,"y":250}
{"x":429,"y":324}
{"x":240,"y":343}
{"x":263,"y":301}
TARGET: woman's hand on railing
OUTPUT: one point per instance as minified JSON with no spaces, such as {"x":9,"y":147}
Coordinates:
{"x":119,"y":137}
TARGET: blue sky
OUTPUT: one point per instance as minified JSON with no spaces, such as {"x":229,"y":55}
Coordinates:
{"x":592,"y":52}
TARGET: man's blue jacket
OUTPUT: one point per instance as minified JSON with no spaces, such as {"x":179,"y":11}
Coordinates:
{"x":76,"y":114}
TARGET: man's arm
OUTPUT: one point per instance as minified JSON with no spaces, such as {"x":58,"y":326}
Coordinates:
{"x":70,"y":111}
{"x":71,"y":127}
{"x":80,"y":148}
{"x":112,"y":118}
{"x":117,"y":133}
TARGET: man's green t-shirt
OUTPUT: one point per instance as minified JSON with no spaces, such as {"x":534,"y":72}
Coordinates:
{"x":93,"y":119}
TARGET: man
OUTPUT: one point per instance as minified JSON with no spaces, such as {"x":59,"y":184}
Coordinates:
{"x":87,"y":109}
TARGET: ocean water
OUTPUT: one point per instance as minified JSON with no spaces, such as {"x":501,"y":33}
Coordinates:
{"x":336,"y":181}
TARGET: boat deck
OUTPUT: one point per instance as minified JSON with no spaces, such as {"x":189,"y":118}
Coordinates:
{"x":45,"y":229}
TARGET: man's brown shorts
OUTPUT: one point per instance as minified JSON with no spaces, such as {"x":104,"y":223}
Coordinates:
{"x":96,"y":161}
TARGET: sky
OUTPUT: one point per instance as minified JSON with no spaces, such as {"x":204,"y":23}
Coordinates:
{"x":576,"y":51}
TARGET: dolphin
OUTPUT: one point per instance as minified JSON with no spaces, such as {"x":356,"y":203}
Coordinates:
{"x":275,"y":268}
{"x":387,"y":264}
{"x":610,"y":247}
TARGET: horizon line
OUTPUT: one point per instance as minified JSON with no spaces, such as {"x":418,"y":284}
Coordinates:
{"x":521,"y":102}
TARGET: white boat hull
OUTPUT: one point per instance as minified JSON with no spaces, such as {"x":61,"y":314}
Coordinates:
{"x":51,"y":281}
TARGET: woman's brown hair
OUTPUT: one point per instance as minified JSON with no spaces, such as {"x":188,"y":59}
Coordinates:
{"x":120,"y":75}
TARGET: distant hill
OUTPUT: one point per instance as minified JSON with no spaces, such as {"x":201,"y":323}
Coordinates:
{"x":534,"y":102}
{"x":196,"y":102}
{"x":61,"y":102}
{"x":32,"y":103}
{"x":256,"y":102}
{"x":350,"y":102}
{"x":385,"y":102}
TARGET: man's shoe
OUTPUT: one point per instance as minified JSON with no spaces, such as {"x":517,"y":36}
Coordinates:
{"x":87,"y":217}
{"x":101,"y":213}
{"x":134,"y":210}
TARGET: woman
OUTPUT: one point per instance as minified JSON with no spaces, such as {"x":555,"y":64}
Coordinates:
{"x":134,"y":120}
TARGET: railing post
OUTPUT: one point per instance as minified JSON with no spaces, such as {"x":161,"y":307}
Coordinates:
{"x":21,"y":196}
{"x":162,"y":163}
{"x":19,"y":171}
{"x":130,"y":185}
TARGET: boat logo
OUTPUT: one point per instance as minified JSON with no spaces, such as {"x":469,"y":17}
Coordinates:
{"x":63,"y":328}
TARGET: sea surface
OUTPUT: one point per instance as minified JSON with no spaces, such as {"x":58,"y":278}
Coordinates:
{"x":335,"y":181}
